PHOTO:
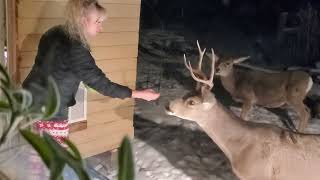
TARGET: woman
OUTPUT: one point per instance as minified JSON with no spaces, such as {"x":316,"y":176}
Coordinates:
{"x":64,"y":54}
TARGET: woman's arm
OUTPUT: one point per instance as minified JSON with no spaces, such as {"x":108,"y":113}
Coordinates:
{"x":83,"y":65}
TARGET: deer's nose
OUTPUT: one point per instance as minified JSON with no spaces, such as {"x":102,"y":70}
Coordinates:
{"x":168,"y":110}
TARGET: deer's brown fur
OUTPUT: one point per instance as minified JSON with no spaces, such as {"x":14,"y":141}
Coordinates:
{"x":272,"y":90}
{"x":256,"y":151}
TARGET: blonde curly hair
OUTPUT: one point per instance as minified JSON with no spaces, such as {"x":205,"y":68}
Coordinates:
{"x":75,"y":11}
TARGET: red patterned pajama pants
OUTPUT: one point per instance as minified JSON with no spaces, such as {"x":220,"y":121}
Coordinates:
{"x":59,"y":130}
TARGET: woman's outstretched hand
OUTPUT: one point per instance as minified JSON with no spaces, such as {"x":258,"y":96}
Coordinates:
{"x":146,"y":94}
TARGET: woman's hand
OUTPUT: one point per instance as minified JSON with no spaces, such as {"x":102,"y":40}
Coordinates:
{"x":146,"y":94}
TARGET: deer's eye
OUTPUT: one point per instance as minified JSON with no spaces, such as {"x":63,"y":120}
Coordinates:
{"x":191,"y":102}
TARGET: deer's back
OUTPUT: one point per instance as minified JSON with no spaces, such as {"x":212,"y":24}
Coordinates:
{"x":270,"y":89}
{"x":299,"y":160}
{"x":274,"y":150}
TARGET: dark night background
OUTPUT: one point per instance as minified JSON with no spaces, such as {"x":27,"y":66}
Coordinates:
{"x":257,"y":21}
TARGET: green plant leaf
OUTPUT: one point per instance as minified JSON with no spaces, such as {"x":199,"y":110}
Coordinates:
{"x":35,"y":116}
{"x":4,"y":106}
{"x":5,"y":79}
{"x":40,"y":145}
{"x":75,"y":164}
{"x":74,"y":150}
{"x":8,"y":97}
{"x":125,"y":161}
{"x":3,"y":176}
{"x":56,"y":169}
{"x":17,"y":105}
{"x":24,"y":98}
{"x":4,"y":83}
{"x":53,"y":99}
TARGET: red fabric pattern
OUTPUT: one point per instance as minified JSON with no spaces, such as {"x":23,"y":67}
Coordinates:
{"x":59,"y":130}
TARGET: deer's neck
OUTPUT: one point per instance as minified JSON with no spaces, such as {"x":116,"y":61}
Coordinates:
{"x":228,"y":131}
{"x":228,"y":82}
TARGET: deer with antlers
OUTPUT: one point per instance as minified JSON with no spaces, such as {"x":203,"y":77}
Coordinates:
{"x":256,"y":151}
{"x":271,"y":90}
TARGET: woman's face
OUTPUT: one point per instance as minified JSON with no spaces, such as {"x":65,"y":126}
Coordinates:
{"x":93,"y":23}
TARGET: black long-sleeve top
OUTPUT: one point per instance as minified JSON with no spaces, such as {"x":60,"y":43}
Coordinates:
{"x":68,"y":62}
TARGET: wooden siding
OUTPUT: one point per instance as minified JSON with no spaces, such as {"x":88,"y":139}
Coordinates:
{"x":3,"y":31}
{"x":99,"y":53}
{"x":12,"y":37}
{"x":39,"y":26}
{"x":115,"y":51}
{"x":137,"y":2}
{"x":30,"y":42}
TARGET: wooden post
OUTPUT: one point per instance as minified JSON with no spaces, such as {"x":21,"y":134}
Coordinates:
{"x":2,"y":30}
{"x":11,"y":38}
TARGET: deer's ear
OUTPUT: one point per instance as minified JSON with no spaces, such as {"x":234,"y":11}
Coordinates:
{"x":239,"y":60}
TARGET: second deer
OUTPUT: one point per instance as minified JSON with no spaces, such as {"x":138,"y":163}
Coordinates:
{"x":271,"y":90}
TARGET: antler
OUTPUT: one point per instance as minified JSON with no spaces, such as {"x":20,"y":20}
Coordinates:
{"x":201,"y":55}
{"x":209,"y":81}
{"x":200,"y":58}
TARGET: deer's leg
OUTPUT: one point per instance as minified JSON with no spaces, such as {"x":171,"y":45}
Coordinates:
{"x":304,"y":115}
{"x":246,"y":107}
